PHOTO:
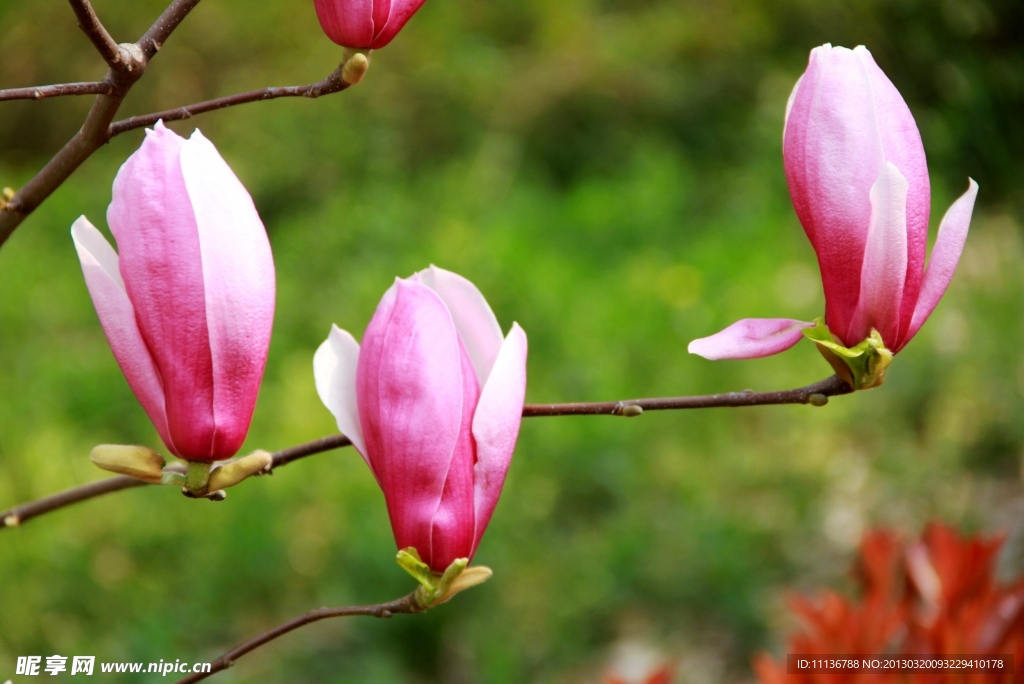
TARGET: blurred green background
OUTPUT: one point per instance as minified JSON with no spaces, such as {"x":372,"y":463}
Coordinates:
{"x":609,"y":173}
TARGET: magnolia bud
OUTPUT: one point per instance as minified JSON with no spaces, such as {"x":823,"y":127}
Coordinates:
{"x":134,"y":461}
{"x":230,"y":474}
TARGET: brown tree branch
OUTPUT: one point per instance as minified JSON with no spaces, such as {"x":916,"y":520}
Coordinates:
{"x":97,"y":33}
{"x":404,"y":605}
{"x":58,"y":90}
{"x":153,"y":40}
{"x":125,"y":70}
{"x":331,"y":84}
{"x":816,"y":394}
{"x":22,"y":514}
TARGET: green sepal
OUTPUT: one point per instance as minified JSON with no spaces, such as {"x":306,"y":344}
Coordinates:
{"x":436,"y":588}
{"x":173,"y":478}
{"x":409,"y":560}
{"x":862,"y":366}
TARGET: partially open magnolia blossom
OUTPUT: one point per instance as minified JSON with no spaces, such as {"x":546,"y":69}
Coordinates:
{"x":858,"y":178}
{"x":364,"y":24}
{"x":188,"y":304}
{"x":432,"y":401}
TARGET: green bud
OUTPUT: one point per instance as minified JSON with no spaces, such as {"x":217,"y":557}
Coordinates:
{"x":230,"y":474}
{"x":134,"y":461}
{"x":861,"y":367}
{"x":436,"y":589}
{"x":355,"y":68}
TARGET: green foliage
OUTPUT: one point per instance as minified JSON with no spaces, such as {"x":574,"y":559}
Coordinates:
{"x":609,"y":174}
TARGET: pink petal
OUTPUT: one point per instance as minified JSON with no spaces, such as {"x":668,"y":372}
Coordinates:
{"x":901,"y":144}
{"x":455,"y":519}
{"x":348,"y":23}
{"x":334,"y":370}
{"x":474,"y":320}
{"x":496,"y":426}
{"x":401,"y":12}
{"x":750,"y":338}
{"x":845,"y":121}
{"x":409,"y":386}
{"x":152,"y":220}
{"x":100,"y":267}
{"x":381,"y":12}
{"x":949,"y":244}
{"x":238,"y":277}
{"x":885,"y":261}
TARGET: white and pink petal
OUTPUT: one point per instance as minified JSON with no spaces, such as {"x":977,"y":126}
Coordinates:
{"x":750,"y":338}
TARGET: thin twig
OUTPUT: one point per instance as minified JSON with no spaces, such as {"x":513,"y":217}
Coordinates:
{"x":94,"y":29}
{"x":22,"y":514}
{"x":58,"y":90}
{"x":404,"y":605}
{"x":128,"y":68}
{"x":331,"y":84}
{"x":164,"y":26}
{"x":816,"y":394}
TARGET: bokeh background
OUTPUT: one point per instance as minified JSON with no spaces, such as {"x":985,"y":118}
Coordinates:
{"x":609,"y":173}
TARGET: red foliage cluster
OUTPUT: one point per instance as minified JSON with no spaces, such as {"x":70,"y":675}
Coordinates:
{"x":938,"y":595}
{"x":662,"y":675}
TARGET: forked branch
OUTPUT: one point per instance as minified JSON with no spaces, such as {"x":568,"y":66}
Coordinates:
{"x":97,"y":33}
{"x":816,"y":394}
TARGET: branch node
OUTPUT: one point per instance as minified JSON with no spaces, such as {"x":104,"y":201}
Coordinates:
{"x":131,"y":58}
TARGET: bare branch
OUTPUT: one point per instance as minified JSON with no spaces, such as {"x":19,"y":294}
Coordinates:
{"x":162,"y":28}
{"x":94,"y":29}
{"x":59,"y":90}
{"x":130,"y":63}
{"x":98,"y":129}
{"x":331,"y":84}
{"x":816,"y":394}
{"x":22,"y":514}
{"x":404,"y":605}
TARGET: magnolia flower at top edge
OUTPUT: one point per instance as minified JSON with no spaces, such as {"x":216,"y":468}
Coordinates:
{"x":364,"y":24}
{"x":188,"y":303}
{"x":857,"y":175}
{"x":432,"y":400}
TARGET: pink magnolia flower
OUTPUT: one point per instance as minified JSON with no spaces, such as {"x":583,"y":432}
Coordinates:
{"x":188,"y":304}
{"x":433,"y":402}
{"x":364,"y":24}
{"x":859,"y":182}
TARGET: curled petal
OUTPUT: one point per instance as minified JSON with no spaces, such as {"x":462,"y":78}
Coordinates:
{"x":496,"y":426}
{"x":100,"y":267}
{"x":885,"y":261}
{"x":400,"y":12}
{"x":334,"y":370}
{"x":750,"y":338}
{"x":475,"y":322}
{"x":161,"y":262}
{"x":454,"y":521}
{"x":238,"y":281}
{"x":348,"y":23}
{"x":409,"y":386}
{"x":949,"y":245}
